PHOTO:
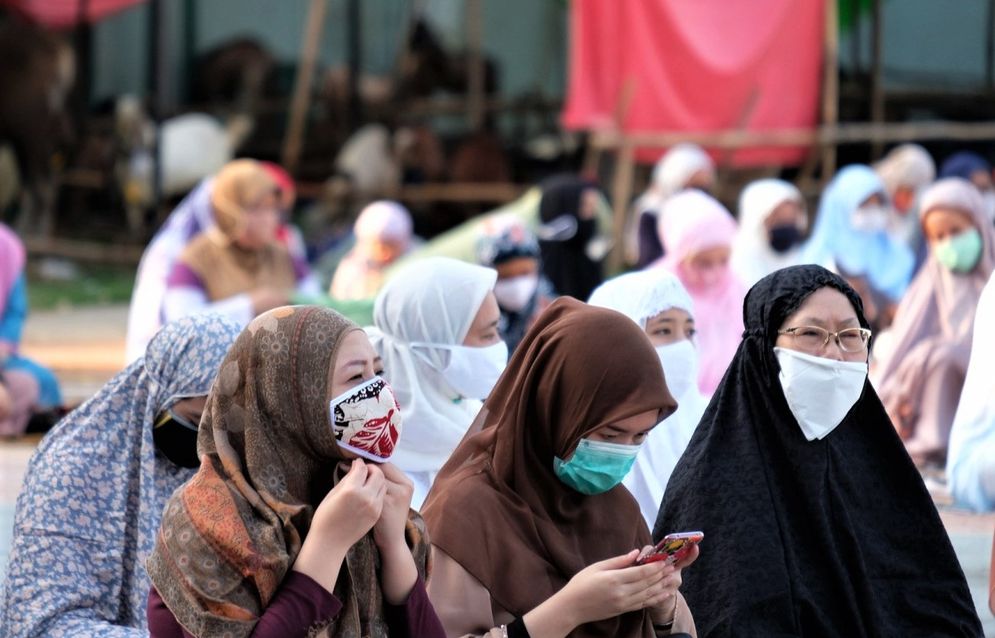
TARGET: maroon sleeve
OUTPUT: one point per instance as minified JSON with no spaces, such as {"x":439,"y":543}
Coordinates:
{"x":416,"y":617}
{"x":300,"y":604}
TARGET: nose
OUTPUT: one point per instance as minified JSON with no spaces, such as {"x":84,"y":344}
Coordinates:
{"x":833,"y":349}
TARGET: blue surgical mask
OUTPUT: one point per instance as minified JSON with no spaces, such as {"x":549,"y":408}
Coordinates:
{"x":596,"y":466}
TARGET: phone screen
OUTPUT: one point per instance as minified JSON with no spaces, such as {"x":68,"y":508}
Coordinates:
{"x":673,"y":548}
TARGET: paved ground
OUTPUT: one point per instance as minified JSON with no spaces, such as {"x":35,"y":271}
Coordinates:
{"x":86,"y":348}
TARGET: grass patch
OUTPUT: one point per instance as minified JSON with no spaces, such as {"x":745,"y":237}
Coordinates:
{"x":93,"y":286}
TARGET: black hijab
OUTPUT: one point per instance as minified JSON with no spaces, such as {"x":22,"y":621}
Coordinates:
{"x":564,"y":260}
{"x":834,"y":537}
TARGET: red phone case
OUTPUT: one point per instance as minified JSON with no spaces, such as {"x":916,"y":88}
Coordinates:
{"x":673,"y":548}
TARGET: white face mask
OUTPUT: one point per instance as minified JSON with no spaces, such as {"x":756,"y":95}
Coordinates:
{"x":871,"y":218}
{"x":472,"y":372}
{"x":680,"y":366}
{"x":515,"y":293}
{"x":819,"y":391}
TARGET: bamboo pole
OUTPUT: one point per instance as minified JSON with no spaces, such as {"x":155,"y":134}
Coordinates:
{"x":625,"y":169}
{"x":302,"y":85}
{"x":475,"y":69}
{"x":877,"y":73}
{"x":830,"y":84}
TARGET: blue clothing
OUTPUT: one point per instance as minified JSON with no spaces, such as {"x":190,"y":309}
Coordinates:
{"x":94,"y":491}
{"x":964,"y":164}
{"x":887,"y":264}
{"x":11,"y":326}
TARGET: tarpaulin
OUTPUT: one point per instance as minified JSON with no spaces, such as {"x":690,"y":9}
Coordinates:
{"x":60,"y":14}
{"x":697,"y":65}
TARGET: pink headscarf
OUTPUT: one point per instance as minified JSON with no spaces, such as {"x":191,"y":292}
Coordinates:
{"x":12,"y":257}
{"x":937,"y":312}
{"x":689,"y":223}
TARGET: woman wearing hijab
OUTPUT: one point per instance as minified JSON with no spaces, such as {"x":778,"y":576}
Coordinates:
{"x":772,"y":223}
{"x":383,"y":233}
{"x":975,"y":169}
{"x":531,"y":529}
{"x":851,"y":235}
{"x":682,"y":167}
{"x":192,"y":216}
{"x":436,"y":329}
{"x":906,"y":171}
{"x":920,"y":378}
{"x":698,"y":232}
{"x":237,"y":267}
{"x":971,"y":461}
{"x":285,"y":530}
{"x":31,"y":387}
{"x":522,"y":292}
{"x":571,"y":255}
{"x":656,"y":300}
{"x":816,"y":521}
{"x":94,"y":491}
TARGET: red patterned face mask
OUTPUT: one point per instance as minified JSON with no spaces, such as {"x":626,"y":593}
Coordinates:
{"x":366,"y":420}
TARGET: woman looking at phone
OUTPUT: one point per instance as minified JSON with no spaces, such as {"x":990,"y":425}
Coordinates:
{"x":284,"y":531}
{"x":816,"y":521}
{"x":532,"y":532}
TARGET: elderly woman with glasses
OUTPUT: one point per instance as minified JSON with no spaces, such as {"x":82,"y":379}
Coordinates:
{"x":816,"y":522}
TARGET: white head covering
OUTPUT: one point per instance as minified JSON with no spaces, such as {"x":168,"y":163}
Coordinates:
{"x":432,"y":300}
{"x":908,"y":165}
{"x":641,"y":296}
{"x":384,"y":220}
{"x":752,"y":256}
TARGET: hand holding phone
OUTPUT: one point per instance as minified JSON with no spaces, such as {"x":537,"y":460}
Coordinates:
{"x":673,"y":548}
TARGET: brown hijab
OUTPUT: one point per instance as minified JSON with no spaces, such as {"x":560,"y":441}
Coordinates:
{"x":498,"y":508}
{"x":268,"y":457}
{"x":223,"y":266}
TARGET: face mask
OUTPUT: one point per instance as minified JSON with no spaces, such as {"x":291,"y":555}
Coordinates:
{"x":989,"y":199}
{"x":961,"y":252}
{"x":870,"y":219}
{"x":472,"y":372}
{"x":596,"y":466}
{"x":680,"y":366}
{"x":784,"y":237}
{"x":819,"y":391}
{"x":366,"y":420}
{"x":176,"y":437}
{"x":515,"y":293}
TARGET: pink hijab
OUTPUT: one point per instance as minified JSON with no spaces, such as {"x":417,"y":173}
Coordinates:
{"x":938,"y":308}
{"x":12,"y":257}
{"x":689,"y":223}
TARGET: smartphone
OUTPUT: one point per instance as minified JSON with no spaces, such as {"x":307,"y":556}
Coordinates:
{"x":673,"y":548}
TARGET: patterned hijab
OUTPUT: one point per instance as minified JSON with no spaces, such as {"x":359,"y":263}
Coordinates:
{"x":268,"y":458}
{"x":98,"y":481}
{"x":577,"y":369}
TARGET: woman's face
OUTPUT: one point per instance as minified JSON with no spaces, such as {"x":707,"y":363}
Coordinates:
{"x":356,"y":363}
{"x":942,"y":223}
{"x":670,"y":326}
{"x":191,"y":408}
{"x":517,"y":267}
{"x":630,"y":431}
{"x":260,"y":222}
{"x":703,"y":180}
{"x":484,"y":329}
{"x":786,"y":213}
{"x":589,"y":204}
{"x":829,"y":309}
{"x":706,"y":268}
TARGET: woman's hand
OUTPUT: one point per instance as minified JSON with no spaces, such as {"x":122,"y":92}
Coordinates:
{"x":665,"y":611}
{"x":399,"y":572}
{"x":344,"y":516}
{"x":389,"y":529}
{"x":603,"y":590}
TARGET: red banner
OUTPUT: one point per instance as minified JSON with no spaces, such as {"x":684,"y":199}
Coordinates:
{"x":698,"y":65}
{"x":61,"y":14}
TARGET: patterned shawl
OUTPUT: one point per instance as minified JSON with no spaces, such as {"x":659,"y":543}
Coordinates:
{"x":268,"y":458}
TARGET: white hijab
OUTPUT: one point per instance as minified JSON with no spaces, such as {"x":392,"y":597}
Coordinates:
{"x":432,"y":300}
{"x":752,"y":256}
{"x":641,"y":296}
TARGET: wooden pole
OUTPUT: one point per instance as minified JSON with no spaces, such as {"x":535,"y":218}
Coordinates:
{"x":475,"y":69}
{"x":625,"y":168}
{"x":830,"y":85}
{"x":989,"y":27}
{"x":302,"y":85}
{"x":877,"y":73}
{"x":355,"y":57}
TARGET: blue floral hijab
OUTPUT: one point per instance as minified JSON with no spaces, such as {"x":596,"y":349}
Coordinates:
{"x":93,"y":495}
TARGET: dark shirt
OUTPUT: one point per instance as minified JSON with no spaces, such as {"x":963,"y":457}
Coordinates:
{"x":302,"y":603}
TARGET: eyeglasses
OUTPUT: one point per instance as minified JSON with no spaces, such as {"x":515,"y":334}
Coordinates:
{"x":814,"y":338}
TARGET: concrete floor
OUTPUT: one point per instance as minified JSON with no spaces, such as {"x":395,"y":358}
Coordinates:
{"x":86,"y":348}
